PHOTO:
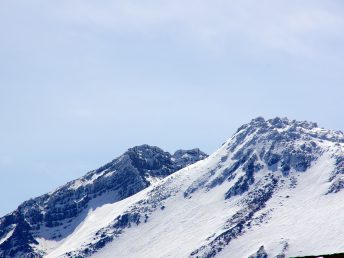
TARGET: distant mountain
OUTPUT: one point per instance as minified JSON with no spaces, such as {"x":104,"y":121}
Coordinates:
{"x":55,"y":215}
{"x":274,"y":189}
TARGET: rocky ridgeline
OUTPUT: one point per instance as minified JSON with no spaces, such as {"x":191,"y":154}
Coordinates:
{"x":119,"y":179}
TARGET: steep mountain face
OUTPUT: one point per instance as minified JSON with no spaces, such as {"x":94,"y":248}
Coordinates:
{"x":274,"y":189}
{"x":55,"y":215}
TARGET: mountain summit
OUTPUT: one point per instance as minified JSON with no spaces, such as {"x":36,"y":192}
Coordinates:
{"x":274,"y":189}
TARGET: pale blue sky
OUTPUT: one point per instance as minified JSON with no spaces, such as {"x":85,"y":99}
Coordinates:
{"x":81,"y":81}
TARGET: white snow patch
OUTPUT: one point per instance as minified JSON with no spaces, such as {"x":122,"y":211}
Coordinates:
{"x":7,"y":236}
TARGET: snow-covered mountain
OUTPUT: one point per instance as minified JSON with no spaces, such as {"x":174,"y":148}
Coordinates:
{"x":274,"y":189}
{"x":55,"y":215}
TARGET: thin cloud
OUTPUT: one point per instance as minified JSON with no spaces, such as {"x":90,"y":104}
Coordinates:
{"x":284,"y":25}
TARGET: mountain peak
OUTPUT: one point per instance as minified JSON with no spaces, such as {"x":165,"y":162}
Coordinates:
{"x":145,"y":148}
{"x":278,"y":123}
{"x":284,"y":129}
{"x":148,"y":158}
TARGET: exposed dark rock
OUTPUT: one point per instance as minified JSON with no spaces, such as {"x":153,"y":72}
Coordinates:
{"x":255,"y":201}
{"x":261,"y":253}
{"x":20,"y":240}
{"x":337,"y":178}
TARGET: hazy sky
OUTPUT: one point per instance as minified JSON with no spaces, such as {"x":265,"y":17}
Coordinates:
{"x":81,"y":81}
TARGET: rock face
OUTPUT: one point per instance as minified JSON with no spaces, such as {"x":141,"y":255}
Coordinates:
{"x":261,"y":253}
{"x":132,"y":172}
